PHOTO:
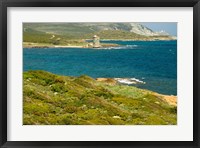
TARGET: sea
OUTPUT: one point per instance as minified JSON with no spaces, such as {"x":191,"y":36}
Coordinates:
{"x":152,"y":64}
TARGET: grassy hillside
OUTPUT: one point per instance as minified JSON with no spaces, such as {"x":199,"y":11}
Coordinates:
{"x":50,"y":99}
{"x":117,"y":34}
{"x":75,"y":33}
{"x":31,"y":35}
{"x":34,"y":36}
{"x":76,"y":29}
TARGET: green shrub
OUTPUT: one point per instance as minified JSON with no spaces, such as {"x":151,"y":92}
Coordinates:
{"x":50,"y":99}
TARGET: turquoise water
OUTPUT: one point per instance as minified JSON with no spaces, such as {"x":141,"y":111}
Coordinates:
{"x":153,"y":62}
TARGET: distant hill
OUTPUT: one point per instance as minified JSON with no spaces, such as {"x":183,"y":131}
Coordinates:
{"x":72,"y":31}
{"x":50,"y":99}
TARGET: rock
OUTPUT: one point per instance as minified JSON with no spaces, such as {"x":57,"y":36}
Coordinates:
{"x":109,"y":81}
{"x":116,"y":117}
{"x":84,"y":107}
{"x":170,"y":99}
{"x":121,"y":105}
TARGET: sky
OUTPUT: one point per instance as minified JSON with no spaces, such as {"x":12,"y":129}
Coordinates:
{"x":169,"y":27}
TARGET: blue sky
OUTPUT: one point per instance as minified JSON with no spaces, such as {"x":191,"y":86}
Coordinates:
{"x":169,"y":27}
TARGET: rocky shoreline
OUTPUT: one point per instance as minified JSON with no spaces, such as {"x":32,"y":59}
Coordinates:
{"x":170,"y":99}
{"x":35,"y":45}
{"x":89,"y":45}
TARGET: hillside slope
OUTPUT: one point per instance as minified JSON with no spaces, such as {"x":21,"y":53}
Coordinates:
{"x":70,"y":33}
{"x":50,"y":99}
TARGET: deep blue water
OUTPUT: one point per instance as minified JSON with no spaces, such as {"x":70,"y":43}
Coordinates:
{"x":154,"y":62}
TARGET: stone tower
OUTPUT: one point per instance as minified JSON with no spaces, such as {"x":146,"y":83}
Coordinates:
{"x":96,"y":41}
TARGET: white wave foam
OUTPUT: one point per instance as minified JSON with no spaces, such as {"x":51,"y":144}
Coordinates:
{"x":129,"y":81}
{"x":121,"y":47}
{"x":109,"y":48}
{"x":125,"y":81}
{"x":131,"y":45}
{"x":137,"y":80}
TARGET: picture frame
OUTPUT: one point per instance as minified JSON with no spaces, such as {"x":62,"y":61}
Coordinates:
{"x":195,"y":4}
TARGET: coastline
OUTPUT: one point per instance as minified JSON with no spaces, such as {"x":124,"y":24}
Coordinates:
{"x":168,"y":39}
{"x":41,"y":45}
{"x":88,"y":45}
{"x":35,"y":45}
{"x":170,"y":99}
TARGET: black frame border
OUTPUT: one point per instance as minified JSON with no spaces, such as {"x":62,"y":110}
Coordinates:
{"x":4,"y":4}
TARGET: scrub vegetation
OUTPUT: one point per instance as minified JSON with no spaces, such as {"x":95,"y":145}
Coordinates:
{"x":50,"y":99}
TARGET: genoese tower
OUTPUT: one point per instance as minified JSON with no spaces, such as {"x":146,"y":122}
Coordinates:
{"x":96,"y":41}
